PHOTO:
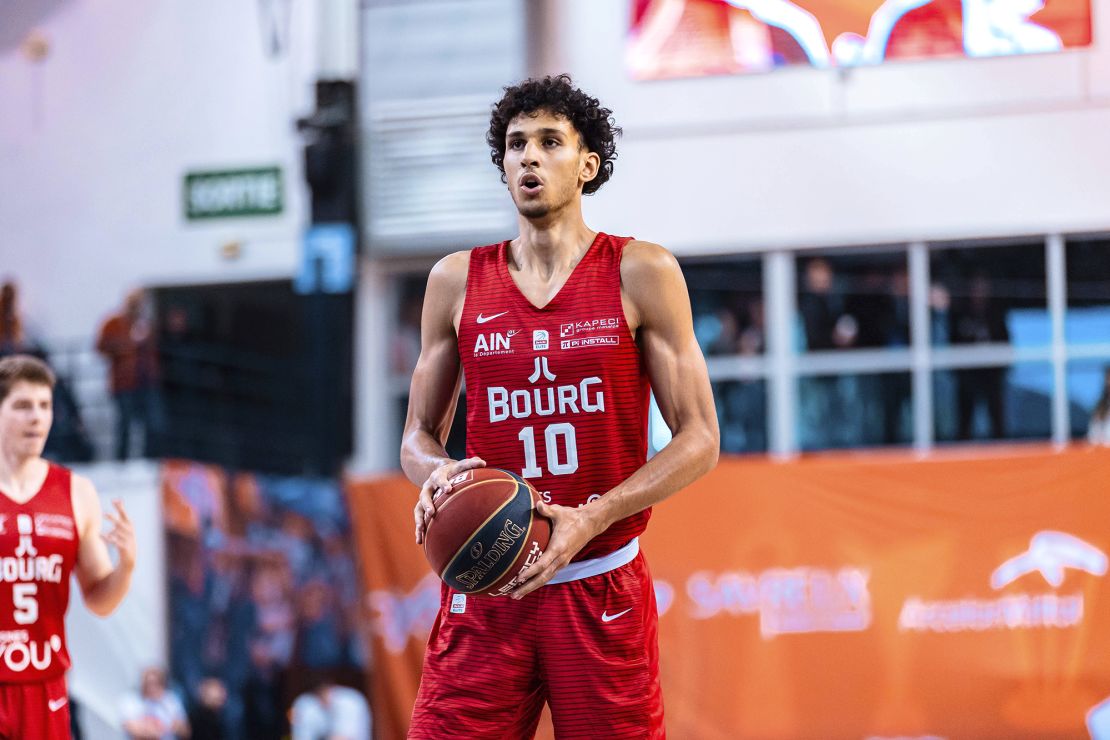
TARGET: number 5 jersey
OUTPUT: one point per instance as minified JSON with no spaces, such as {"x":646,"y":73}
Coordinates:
{"x":38,"y":549}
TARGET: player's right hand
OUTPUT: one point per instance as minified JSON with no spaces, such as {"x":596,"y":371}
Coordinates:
{"x":438,"y":483}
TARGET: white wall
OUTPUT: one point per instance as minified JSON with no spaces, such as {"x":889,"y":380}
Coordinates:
{"x":95,"y":140}
{"x":803,"y":157}
{"x":109,"y":654}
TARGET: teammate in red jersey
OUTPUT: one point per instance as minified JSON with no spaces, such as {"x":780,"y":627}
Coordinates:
{"x":49,"y":527}
{"x":559,"y":333}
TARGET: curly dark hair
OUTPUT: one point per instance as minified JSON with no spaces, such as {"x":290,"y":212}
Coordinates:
{"x":558,"y":95}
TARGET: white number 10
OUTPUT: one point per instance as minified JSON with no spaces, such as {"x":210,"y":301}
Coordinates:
{"x":551,"y":442}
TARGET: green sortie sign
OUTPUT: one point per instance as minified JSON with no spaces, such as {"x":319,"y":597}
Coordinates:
{"x":232,"y":193}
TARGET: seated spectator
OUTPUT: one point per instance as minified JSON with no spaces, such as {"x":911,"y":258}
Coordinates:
{"x":327,"y":711}
{"x":1098,"y":431}
{"x":155,"y":713}
{"x":207,"y":716}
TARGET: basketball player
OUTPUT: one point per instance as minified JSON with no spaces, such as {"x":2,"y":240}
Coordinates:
{"x":560,"y":333}
{"x":49,"y":527}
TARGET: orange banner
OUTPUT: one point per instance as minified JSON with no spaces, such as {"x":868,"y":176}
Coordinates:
{"x":838,"y":597}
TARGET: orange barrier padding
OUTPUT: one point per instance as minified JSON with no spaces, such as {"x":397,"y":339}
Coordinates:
{"x":852,"y":596}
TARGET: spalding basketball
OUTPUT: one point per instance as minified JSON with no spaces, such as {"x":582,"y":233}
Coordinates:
{"x":485,"y":532}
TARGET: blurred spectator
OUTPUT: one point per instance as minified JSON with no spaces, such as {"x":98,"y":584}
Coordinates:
{"x":69,"y":440}
{"x":871,"y":303}
{"x":155,"y":712}
{"x":207,"y":715}
{"x":827,"y":325}
{"x":327,"y":711}
{"x":1098,"y":431}
{"x":321,"y":640}
{"x":405,"y":344}
{"x":75,"y":712}
{"x":978,"y":318}
{"x":127,"y":341}
{"x":896,"y":388}
{"x":271,"y":649}
{"x":12,"y":339}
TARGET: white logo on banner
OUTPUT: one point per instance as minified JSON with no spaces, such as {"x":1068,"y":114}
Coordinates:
{"x":398,"y":616}
{"x":1050,"y":553}
{"x":788,"y":601}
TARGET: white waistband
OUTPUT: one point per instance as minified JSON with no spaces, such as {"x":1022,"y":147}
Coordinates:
{"x":597,"y":566}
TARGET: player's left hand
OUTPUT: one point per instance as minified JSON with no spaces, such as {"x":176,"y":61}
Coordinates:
{"x":571,"y":529}
{"x":122,"y":535}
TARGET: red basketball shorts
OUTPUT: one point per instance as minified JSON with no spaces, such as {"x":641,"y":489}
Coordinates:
{"x":588,"y":648}
{"x":34,"y":710}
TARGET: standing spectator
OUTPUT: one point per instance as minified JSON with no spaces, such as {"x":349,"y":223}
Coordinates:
{"x":327,"y":711}
{"x":127,"y":340}
{"x":826,"y":324}
{"x":11,"y":326}
{"x":1098,"y":431}
{"x":155,"y":713}
{"x":979,"y":319}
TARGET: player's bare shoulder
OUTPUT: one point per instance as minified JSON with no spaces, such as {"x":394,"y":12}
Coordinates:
{"x":447,"y":288}
{"x":650,"y":275}
{"x":86,"y":504}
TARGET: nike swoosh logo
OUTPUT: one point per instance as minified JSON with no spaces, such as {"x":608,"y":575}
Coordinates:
{"x":55,"y":704}
{"x":610,"y":617}
{"x":483,"y":319}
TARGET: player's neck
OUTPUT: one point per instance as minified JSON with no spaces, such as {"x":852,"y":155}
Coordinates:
{"x":551,"y":246}
{"x":18,"y":475}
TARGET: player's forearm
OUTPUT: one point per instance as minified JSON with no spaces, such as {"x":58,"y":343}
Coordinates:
{"x":421,"y":454}
{"x":105,"y":595}
{"x":690,"y":454}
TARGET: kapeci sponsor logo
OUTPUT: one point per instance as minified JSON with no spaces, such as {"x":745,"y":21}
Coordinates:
{"x":788,"y":601}
{"x":589,"y":342}
{"x":1050,"y":554}
{"x":588,"y":327}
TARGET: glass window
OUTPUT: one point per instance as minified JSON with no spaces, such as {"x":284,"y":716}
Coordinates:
{"x":990,"y":294}
{"x":404,"y":344}
{"x":456,"y":439}
{"x":1088,"y":317}
{"x":861,"y":410}
{"x":991,"y":403}
{"x":858,"y":300}
{"x":1089,"y":399}
{"x":742,"y":414}
{"x":726,"y":296}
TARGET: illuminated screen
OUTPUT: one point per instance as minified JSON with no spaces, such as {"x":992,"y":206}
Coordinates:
{"x":689,"y":38}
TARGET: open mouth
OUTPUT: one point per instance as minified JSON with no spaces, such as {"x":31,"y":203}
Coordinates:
{"x":530,"y":184}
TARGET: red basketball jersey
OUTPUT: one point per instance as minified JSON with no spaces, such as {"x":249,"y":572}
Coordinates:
{"x":559,"y":394}
{"x":38,"y":549}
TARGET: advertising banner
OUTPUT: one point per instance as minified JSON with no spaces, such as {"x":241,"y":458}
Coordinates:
{"x":693,"y":38}
{"x":852,"y":596}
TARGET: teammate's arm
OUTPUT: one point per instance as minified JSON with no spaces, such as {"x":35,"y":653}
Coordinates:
{"x":434,"y":392}
{"x":102,"y":586}
{"x":658,"y":307}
